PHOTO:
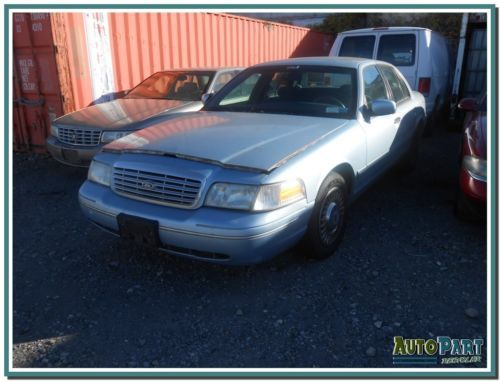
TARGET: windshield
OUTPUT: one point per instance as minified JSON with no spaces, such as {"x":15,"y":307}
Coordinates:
{"x":296,"y":90}
{"x":181,"y":86}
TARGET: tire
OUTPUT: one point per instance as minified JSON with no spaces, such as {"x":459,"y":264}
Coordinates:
{"x":430,"y":125}
{"x":440,"y":118}
{"x":327,"y":223}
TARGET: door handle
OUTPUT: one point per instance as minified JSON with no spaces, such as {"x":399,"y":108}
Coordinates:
{"x":397,"y":121}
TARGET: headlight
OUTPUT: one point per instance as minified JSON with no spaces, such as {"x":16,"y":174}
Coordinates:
{"x":232,"y":196}
{"x":54,"y":131}
{"x":253,"y":197}
{"x":477,"y":168}
{"x":275,"y":196}
{"x":109,"y":136}
{"x":99,"y":173}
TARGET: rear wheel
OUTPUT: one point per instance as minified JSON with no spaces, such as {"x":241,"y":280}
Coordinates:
{"x":327,"y":223}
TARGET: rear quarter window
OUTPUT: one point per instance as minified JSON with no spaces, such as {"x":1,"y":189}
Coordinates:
{"x":397,"y":49}
{"x":357,"y":46}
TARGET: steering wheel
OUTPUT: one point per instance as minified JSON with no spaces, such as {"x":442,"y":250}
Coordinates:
{"x":330,"y":100}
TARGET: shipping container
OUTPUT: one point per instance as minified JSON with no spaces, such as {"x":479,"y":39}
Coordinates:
{"x":67,"y":61}
{"x":471,"y":63}
{"x":51,"y":75}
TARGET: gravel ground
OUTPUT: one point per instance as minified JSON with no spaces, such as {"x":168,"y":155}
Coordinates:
{"x":407,"y":267}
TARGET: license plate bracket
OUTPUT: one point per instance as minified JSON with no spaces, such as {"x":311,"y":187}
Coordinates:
{"x":71,"y":155}
{"x":138,"y":229}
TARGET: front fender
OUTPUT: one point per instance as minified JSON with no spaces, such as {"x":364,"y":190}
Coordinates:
{"x":345,"y":149}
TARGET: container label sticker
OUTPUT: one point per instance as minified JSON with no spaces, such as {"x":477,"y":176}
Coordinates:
{"x":25,"y":67}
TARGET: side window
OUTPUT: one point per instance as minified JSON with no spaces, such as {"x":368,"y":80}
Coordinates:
{"x":406,"y":91}
{"x":397,"y":49}
{"x":242,"y":92}
{"x":374,"y":85}
{"x":222,"y":79}
{"x":398,"y":87}
{"x":357,"y":46}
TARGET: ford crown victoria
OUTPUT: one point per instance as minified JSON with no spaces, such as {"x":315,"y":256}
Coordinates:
{"x":274,"y":158}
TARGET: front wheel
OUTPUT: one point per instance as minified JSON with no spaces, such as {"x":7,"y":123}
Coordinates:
{"x":327,"y":223}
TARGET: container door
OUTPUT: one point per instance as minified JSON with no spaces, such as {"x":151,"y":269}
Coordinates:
{"x":400,"y":49}
{"x":474,"y":83}
{"x":37,"y":92}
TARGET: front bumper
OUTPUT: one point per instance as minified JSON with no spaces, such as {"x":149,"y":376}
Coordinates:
{"x":70,"y":154}
{"x":207,"y":234}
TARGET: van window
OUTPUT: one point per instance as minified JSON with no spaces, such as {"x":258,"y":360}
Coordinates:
{"x":357,"y":46}
{"x":374,"y":85}
{"x":399,"y":89}
{"x":397,"y":49}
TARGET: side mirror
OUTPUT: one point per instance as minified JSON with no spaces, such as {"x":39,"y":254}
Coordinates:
{"x":205,"y":97}
{"x":467,"y":104}
{"x":381,"y":107}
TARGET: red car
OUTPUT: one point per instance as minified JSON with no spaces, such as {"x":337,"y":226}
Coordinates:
{"x":471,"y":200}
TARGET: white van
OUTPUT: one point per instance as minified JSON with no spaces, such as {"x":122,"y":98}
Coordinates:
{"x":420,"y":54}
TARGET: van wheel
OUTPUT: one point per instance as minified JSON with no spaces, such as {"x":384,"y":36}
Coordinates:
{"x":327,"y":223}
{"x":438,"y":118}
{"x":430,"y":125}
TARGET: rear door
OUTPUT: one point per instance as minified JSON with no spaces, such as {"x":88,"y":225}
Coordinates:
{"x":404,"y":118}
{"x":400,"y":49}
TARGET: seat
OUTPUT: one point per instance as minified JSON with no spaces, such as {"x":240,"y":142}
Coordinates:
{"x":190,"y":91}
{"x":286,"y":93}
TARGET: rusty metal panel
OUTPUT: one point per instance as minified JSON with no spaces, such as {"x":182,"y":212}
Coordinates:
{"x":37,"y":94}
{"x":51,"y":74}
{"x":21,"y":138}
{"x":72,"y":60}
{"x":143,"y":43}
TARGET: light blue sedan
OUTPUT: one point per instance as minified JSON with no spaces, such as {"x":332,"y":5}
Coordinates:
{"x":275,"y":157}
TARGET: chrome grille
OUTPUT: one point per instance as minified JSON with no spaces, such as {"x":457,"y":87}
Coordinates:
{"x":79,"y":137}
{"x":156,"y":187}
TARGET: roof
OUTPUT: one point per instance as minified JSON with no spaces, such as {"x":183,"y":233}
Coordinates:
{"x":351,"y":62}
{"x":198,"y":69}
{"x":385,"y":29}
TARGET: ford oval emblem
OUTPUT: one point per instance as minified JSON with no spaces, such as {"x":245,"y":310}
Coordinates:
{"x":147,"y":185}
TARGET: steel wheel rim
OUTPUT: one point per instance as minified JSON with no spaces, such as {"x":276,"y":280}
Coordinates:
{"x":331,"y":216}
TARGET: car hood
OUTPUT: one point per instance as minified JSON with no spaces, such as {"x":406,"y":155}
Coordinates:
{"x":119,"y":113}
{"x":243,"y":140}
